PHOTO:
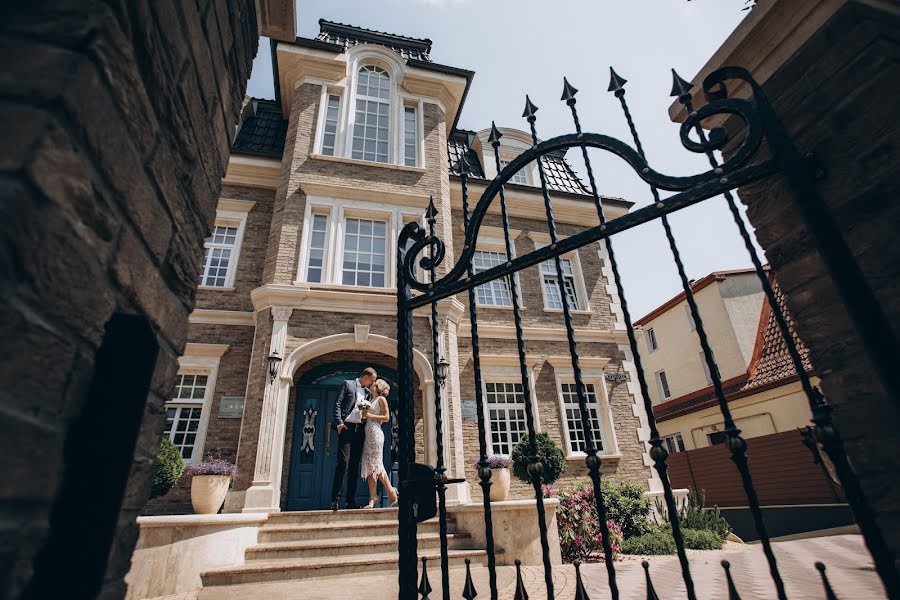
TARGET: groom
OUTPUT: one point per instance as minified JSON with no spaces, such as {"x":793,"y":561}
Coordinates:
{"x":351,"y":435}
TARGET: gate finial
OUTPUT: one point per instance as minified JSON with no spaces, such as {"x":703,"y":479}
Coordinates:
{"x":431,"y":211}
{"x":424,"y":586}
{"x":580,"y":592}
{"x":569,"y":91}
{"x":616,"y":82}
{"x":530,"y":109}
{"x":469,"y":588}
{"x":521,"y":594}
{"x":651,"y":591}
{"x":680,"y":87}
{"x":829,"y":593}
{"x":732,"y":590}
{"x":494,"y":139}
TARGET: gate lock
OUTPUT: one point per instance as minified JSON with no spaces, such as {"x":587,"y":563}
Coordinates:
{"x":421,"y":488}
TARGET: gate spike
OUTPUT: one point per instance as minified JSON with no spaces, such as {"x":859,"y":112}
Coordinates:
{"x":616,"y":81}
{"x":732,"y":590}
{"x":651,"y":592}
{"x":829,"y":593}
{"x":469,"y":588}
{"x":680,"y":87}
{"x":530,"y":109}
{"x":495,"y":134}
{"x":569,"y":91}
{"x":431,"y":212}
{"x":580,"y":592}
{"x":424,"y":586}
{"x":521,"y":593}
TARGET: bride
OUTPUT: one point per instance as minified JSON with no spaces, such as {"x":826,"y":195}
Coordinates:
{"x":372,"y":463}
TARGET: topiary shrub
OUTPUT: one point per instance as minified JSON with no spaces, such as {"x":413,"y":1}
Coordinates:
{"x":579,"y":529}
{"x":169,"y":467}
{"x":698,"y":539}
{"x":656,"y":542}
{"x":627,"y":505}
{"x":550,"y":455}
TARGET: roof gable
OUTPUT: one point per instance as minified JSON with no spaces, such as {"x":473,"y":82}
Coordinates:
{"x":351,"y":35}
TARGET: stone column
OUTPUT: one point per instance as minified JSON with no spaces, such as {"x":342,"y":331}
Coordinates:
{"x":265,"y":492}
{"x":457,"y":493}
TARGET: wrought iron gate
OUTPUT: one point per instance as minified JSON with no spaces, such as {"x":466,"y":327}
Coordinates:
{"x":747,"y":163}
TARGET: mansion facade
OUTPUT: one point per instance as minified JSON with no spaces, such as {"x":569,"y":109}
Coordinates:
{"x":301,"y":264}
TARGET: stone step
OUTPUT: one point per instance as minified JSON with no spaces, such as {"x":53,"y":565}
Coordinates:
{"x":259,"y":571}
{"x":328,"y":516}
{"x":347,"y":547}
{"x":327,"y":531}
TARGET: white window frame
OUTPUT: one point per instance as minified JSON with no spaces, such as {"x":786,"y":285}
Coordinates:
{"x":672,"y":441}
{"x":652,"y":340}
{"x":659,"y":384}
{"x":416,"y":105}
{"x":504,"y":162}
{"x":490,"y":244}
{"x":604,"y":410}
{"x":200,"y":365}
{"x":227,"y":218}
{"x":540,"y":241}
{"x":337,"y":210}
{"x":502,"y":369}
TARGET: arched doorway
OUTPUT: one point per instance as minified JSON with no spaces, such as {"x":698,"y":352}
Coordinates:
{"x":312,"y":441}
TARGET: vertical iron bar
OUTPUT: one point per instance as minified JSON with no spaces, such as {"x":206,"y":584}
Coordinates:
{"x":406,"y":522}
{"x":484,"y":471}
{"x":520,"y":347}
{"x":736,"y":444}
{"x":592,"y":461}
{"x":440,"y":478}
{"x":657,"y":452}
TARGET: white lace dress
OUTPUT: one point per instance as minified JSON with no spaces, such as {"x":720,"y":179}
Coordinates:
{"x":372,"y":461}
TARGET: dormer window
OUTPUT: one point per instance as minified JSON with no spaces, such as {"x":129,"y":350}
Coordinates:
{"x":373,"y":108}
{"x":519,"y":177}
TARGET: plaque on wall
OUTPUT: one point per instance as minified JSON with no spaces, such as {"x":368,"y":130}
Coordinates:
{"x":469,"y":410}
{"x":231,"y":407}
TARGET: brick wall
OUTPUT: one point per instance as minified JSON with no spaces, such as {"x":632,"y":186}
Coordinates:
{"x":117,"y":119}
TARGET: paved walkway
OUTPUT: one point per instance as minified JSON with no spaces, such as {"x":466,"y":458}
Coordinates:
{"x":849,"y":568}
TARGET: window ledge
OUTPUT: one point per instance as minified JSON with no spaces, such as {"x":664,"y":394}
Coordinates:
{"x":580,"y":456}
{"x":339,"y":287}
{"x":367,"y":163}
{"x":498,"y":307}
{"x":571,"y":312}
{"x":215,"y":288}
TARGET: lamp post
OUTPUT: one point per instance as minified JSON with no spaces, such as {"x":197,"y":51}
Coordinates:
{"x":443,"y":369}
{"x":272,"y":362}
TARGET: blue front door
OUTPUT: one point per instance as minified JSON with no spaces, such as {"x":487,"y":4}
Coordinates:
{"x":314,"y":451}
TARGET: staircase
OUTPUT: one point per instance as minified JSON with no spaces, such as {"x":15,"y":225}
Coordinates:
{"x":314,"y":544}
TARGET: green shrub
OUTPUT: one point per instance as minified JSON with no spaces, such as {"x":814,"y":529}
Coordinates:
{"x":658,"y":541}
{"x":693,"y":515}
{"x":697,"y":539}
{"x":550,"y":455}
{"x":169,"y":467}
{"x":627,"y":505}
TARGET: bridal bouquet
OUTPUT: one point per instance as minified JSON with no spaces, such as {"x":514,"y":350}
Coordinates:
{"x":364,"y":406}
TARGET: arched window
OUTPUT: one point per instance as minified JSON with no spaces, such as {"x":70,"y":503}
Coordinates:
{"x":371,"y":121}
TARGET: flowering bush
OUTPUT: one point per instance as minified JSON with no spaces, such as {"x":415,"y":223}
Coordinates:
{"x":579,"y":529}
{"x":212,"y":466}
{"x":496,"y":461}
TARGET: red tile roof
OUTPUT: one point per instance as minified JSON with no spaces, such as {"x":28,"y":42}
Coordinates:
{"x":770,"y":366}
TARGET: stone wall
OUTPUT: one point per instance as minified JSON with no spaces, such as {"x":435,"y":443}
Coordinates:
{"x":117,"y":121}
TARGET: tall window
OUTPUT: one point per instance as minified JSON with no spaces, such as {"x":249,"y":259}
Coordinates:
{"x":651,"y":339}
{"x":551,"y":284}
{"x":705,"y":368}
{"x":496,"y":292}
{"x":331,"y":118}
{"x":674,"y":443}
{"x":663,"y":383}
{"x":364,"y":252}
{"x":506,"y":415}
{"x":316,"y":261}
{"x":218,"y":259}
{"x":519,"y":177}
{"x":370,"y":127}
{"x":690,"y":317}
{"x":410,"y":136}
{"x":573,"y":417}
{"x":183,"y":412}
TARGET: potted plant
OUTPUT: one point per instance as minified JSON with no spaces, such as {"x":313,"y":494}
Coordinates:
{"x":499,"y":466}
{"x":209,"y":484}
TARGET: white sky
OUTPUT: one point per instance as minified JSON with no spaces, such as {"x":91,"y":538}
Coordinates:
{"x":527,"y":46}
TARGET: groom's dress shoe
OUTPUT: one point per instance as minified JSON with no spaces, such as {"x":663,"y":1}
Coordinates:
{"x":334,"y":506}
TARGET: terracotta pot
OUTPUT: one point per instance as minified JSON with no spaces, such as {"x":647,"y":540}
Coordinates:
{"x":208,"y":493}
{"x":499,"y":485}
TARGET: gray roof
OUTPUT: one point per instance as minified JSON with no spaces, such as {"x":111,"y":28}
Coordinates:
{"x":262,"y":130}
{"x":351,"y":35}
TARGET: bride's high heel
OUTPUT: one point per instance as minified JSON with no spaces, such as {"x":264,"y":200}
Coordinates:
{"x":371,"y":503}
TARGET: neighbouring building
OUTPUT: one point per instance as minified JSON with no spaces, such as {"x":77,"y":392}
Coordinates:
{"x":362,"y":133}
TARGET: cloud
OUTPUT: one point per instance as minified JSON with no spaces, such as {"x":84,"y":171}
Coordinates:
{"x":440,"y":3}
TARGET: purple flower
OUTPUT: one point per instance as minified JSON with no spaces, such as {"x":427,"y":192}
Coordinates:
{"x":212,"y":466}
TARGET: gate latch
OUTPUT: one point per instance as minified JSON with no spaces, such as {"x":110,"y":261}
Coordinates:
{"x":420,"y":488}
